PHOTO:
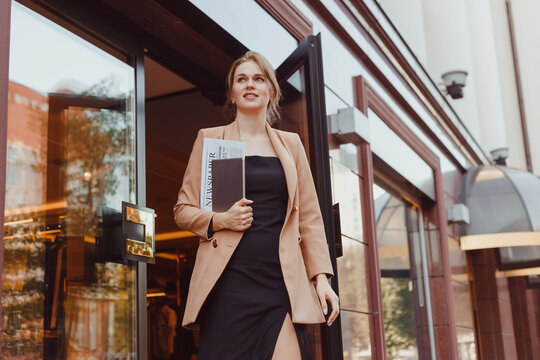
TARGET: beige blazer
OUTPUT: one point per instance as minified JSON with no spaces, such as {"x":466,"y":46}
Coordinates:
{"x":303,"y":250}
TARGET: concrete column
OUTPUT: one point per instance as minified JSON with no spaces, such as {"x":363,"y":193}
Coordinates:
{"x":507,"y":85}
{"x":486,"y":73}
{"x":448,"y":48}
{"x":525,"y":15}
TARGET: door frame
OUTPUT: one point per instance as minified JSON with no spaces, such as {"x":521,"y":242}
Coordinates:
{"x":83,"y":18}
{"x":309,"y":55}
{"x":367,"y":98}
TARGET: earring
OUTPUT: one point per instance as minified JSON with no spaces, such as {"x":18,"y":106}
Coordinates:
{"x":232,"y":101}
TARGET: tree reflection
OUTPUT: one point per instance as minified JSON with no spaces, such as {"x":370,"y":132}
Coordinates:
{"x":399,"y":324}
{"x":57,"y":302}
{"x":99,"y":153}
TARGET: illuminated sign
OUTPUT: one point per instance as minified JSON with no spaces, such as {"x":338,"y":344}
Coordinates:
{"x":138,"y":233}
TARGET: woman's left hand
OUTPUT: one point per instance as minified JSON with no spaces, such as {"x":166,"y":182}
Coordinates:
{"x":325,"y":292}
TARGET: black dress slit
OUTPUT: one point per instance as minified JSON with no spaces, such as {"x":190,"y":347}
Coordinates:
{"x":244,"y":313}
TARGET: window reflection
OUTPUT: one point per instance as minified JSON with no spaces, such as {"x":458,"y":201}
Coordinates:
{"x":70,"y":152}
{"x":346,"y":192}
{"x":356,"y":342}
{"x":347,"y":154}
{"x":352,"y":276}
{"x":396,"y":153}
{"x":402,"y":276}
{"x":352,"y":265}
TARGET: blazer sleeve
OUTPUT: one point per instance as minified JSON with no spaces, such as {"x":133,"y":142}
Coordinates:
{"x":314,"y":245}
{"x":187,"y":212}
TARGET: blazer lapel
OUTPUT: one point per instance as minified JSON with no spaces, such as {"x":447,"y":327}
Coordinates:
{"x":287,"y":162}
{"x":232,"y":132}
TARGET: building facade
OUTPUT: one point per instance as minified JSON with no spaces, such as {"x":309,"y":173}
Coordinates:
{"x":101,"y":101}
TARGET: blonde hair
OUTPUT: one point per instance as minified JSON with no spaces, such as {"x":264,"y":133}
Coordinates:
{"x":273,"y":113}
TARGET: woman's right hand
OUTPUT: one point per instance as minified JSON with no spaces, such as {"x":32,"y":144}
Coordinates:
{"x":238,"y":218}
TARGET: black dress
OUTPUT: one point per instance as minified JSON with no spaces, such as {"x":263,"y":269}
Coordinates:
{"x":245,"y":311}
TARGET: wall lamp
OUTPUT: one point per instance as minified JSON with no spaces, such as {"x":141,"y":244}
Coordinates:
{"x":454,"y":81}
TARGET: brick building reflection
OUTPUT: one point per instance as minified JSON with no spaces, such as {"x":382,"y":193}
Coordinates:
{"x":54,"y":294}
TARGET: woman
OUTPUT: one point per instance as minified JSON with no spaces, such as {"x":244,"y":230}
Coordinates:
{"x":264,"y":264}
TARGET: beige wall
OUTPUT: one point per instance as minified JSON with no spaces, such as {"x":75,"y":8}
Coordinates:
{"x":474,"y":36}
{"x":527,"y":31}
{"x":410,"y":26}
{"x":507,"y":85}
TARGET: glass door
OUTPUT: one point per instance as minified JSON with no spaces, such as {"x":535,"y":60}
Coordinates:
{"x":408,"y":323}
{"x":71,"y":153}
{"x":303,"y":112}
{"x":357,"y":314}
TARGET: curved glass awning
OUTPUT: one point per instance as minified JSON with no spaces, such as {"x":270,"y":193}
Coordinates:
{"x":504,"y":209}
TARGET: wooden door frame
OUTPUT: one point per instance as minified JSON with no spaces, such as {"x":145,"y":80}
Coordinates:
{"x":75,"y":17}
{"x":289,"y":16}
{"x":366,"y":98}
{"x":309,"y":55}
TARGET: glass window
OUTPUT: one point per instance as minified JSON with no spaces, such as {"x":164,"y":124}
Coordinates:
{"x":333,"y":101}
{"x":352,"y":265}
{"x":403,"y":264}
{"x":71,"y":137}
{"x":356,"y":342}
{"x":347,"y":154}
{"x":252,"y":26}
{"x":340,"y":65}
{"x":353,"y":293}
{"x":346,"y":192}
{"x":466,"y":343}
{"x":396,"y":153}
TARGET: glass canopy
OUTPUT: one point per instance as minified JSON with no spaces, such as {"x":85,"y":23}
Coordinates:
{"x":504,"y":207}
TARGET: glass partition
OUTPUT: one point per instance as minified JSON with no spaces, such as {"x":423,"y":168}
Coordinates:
{"x":396,"y":153}
{"x":71,"y":152}
{"x":355,"y":314}
{"x":408,"y":326}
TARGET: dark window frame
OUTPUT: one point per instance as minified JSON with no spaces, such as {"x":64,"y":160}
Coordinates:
{"x":80,"y":19}
{"x":367,"y":98}
{"x":309,"y":55}
{"x":288,"y":15}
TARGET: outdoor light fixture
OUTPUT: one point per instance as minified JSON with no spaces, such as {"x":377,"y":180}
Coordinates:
{"x":454,"y":81}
